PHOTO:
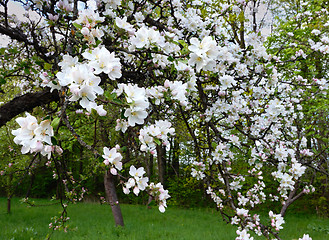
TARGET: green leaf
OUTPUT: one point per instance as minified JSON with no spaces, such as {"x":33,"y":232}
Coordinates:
{"x":94,"y":113}
{"x":2,"y":80}
{"x":102,"y":117}
{"x":55,"y":122}
{"x":27,"y":71}
{"x":53,"y":140}
{"x":98,"y":42}
{"x":117,"y":101}
{"x":123,"y":114}
{"x":47,"y":66}
{"x":110,"y":95}
{"x":157,"y":141}
{"x":214,"y":145}
{"x":152,"y":203}
{"x":77,"y":26}
{"x":172,"y":69}
{"x":171,"y":58}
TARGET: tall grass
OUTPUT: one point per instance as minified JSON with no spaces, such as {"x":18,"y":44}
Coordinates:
{"x":95,"y":221}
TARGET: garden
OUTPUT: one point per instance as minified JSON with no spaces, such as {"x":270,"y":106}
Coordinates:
{"x":197,"y":119}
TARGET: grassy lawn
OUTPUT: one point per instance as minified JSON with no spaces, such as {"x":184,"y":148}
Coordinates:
{"x":95,"y":221}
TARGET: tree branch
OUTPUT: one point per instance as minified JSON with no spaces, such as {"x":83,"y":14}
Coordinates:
{"x":25,"y":103}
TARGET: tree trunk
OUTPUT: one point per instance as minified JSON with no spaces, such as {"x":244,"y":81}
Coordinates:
{"x":149,"y":172}
{"x":291,"y":198}
{"x":149,"y":166}
{"x":8,"y":204}
{"x":175,"y":158}
{"x":161,"y":155}
{"x":30,"y":186}
{"x":10,"y":193}
{"x":112,"y":198}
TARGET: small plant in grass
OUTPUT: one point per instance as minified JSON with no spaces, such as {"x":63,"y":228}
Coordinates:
{"x":318,"y":228}
{"x":24,"y":233}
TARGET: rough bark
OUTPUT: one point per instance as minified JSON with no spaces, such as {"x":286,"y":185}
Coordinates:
{"x":161,"y":155}
{"x":25,"y":103}
{"x":112,"y":198}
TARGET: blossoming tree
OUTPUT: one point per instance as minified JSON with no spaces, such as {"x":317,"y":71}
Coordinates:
{"x":150,"y":61}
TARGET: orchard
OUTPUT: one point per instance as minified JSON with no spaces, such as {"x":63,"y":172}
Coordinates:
{"x":114,"y":86}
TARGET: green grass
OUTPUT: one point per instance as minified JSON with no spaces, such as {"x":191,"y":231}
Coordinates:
{"x":95,"y":221}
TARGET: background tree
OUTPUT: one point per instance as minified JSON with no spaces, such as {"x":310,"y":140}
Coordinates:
{"x":301,"y":49}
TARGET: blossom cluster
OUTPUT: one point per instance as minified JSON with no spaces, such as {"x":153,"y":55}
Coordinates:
{"x":113,"y":159}
{"x":215,"y":197}
{"x":151,"y":135}
{"x":87,"y":21}
{"x":160,"y":194}
{"x":250,"y":223}
{"x":203,"y":54}
{"x":33,"y":136}
{"x":276,"y":220}
{"x":243,"y":235}
{"x":137,"y":181}
{"x":198,"y":170}
{"x":287,"y":179}
{"x":137,"y":101}
{"x":177,"y":90}
{"x":81,"y":80}
{"x":140,"y":183}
